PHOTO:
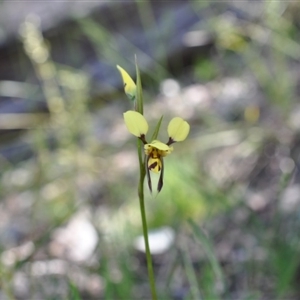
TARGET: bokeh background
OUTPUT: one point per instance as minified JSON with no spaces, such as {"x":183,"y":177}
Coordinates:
{"x":226,"y":224}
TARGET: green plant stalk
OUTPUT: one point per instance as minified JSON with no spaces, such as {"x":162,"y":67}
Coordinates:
{"x":140,"y":146}
{"x":144,"y":222}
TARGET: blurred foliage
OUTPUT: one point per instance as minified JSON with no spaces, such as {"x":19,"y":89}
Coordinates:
{"x":236,"y":178}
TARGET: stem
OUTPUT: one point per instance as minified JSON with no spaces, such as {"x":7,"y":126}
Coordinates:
{"x":140,"y":146}
{"x":144,"y":222}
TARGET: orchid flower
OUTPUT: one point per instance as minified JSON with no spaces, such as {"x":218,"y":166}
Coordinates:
{"x":178,"y":130}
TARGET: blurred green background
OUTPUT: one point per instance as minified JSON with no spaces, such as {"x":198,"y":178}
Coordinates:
{"x":226,"y":224}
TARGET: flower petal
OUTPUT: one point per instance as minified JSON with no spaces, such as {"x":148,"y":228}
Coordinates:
{"x":178,"y":129}
{"x":154,"y":164}
{"x":148,"y":174}
{"x":135,"y":123}
{"x":161,"y":177}
{"x":129,"y":85}
{"x":159,"y":145}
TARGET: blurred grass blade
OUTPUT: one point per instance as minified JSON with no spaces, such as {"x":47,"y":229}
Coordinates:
{"x":74,"y":292}
{"x":139,"y":92}
{"x":190,"y":273}
{"x":209,"y":250}
{"x":156,"y":131}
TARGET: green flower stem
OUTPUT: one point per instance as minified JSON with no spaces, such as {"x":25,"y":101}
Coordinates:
{"x":139,"y":106}
{"x":144,"y":221}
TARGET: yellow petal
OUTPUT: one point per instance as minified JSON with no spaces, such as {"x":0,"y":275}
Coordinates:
{"x":135,"y":123}
{"x":154,"y":164}
{"x":129,"y":85}
{"x":159,"y":145}
{"x":178,"y":129}
{"x":147,"y":149}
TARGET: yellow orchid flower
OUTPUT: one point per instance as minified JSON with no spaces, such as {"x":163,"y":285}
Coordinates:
{"x":129,"y":85}
{"x":178,"y":130}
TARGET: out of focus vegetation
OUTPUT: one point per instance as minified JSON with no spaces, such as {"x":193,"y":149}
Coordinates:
{"x":227,"y":222}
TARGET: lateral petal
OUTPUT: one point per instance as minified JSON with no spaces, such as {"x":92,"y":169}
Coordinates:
{"x":178,"y":129}
{"x":135,"y":123}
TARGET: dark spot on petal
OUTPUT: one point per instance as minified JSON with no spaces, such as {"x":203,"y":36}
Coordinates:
{"x":152,"y":166}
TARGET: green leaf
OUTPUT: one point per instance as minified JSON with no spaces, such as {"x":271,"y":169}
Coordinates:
{"x":139,"y":91}
{"x":156,"y":130}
